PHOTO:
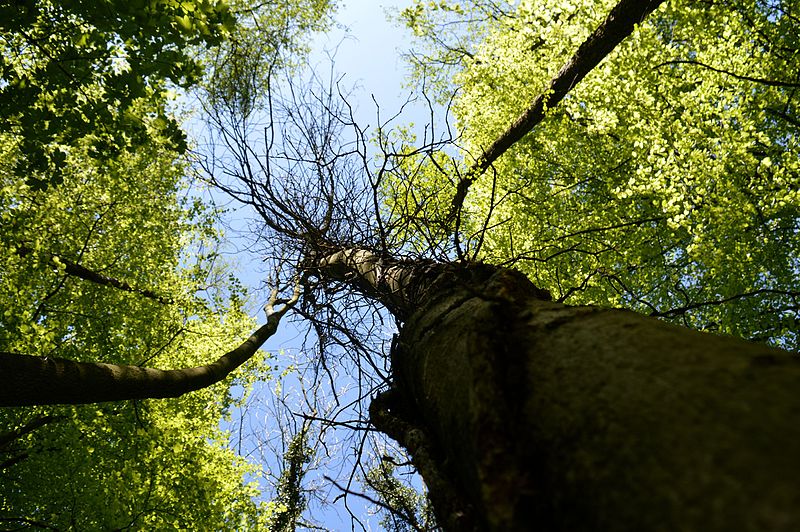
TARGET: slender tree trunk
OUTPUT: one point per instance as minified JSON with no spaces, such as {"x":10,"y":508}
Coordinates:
{"x":33,"y":380}
{"x":525,"y":414}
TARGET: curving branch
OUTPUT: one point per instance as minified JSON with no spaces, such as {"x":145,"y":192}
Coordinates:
{"x":740,"y":77}
{"x":33,"y":380}
{"x":673,"y":312}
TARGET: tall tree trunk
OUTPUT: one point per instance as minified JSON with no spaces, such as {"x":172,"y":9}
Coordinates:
{"x":523,"y":414}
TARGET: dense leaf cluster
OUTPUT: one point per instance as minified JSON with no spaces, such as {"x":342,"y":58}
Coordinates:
{"x":147,"y":465}
{"x":120,"y":263}
{"x":73,"y":69}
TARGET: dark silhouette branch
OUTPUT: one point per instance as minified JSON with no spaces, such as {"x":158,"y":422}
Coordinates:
{"x":6,"y":438}
{"x":82,"y":272}
{"x":618,"y":25}
{"x":760,"y":81}
{"x":407,"y":518}
{"x":700,"y":304}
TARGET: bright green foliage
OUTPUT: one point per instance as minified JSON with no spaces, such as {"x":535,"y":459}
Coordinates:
{"x":290,"y":501}
{"x":73,"y":69}
{"x":447,"y":32}
{"x":84,"y":98}
{"x":155,"y":466}
{"x":150,"y":465}
{"x":668,"y":181}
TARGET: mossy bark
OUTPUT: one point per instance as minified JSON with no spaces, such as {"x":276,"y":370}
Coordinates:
{"x":536,"y":415}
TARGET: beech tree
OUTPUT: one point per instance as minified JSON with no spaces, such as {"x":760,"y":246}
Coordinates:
{"x":517,"y":410}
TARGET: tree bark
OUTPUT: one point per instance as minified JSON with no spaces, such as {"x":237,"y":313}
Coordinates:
{"x":31,"y":380}
{"x":523,"y":414}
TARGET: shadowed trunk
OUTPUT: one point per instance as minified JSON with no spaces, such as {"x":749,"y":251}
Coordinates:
{"x":523,"y":413}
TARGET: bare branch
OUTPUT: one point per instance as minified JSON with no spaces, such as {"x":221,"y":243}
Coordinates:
{"x":740,"y":77}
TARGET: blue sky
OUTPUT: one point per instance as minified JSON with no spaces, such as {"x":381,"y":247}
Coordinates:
{"x":369,"y":52}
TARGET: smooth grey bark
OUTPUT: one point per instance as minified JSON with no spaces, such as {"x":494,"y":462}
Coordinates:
{"x":33,"y":380}
{"x":522,"y":413}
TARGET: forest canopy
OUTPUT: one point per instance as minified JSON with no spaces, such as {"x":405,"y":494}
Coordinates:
{"x":457,"y":286}
{"x":111,"y":253}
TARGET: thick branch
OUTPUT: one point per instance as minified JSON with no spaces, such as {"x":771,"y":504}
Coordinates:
{"x":402,"y":285}
{"x":32,"y":380}
{"x":613,"y":30}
